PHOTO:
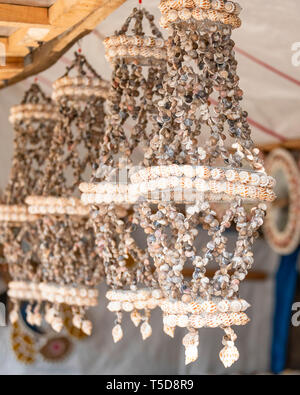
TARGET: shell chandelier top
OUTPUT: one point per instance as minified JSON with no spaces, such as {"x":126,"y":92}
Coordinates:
{"x":182,"y":177}
{"x":136,"y":83}
{"x":33,"y":121}
{"x":137,"y":47}
{"x":70,"y":266}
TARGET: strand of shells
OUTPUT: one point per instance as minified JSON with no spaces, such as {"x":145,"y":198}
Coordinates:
{"x":200,"y":15}
{"x":16,"y":214}
{"x":216,"y":320}
{"x":225,"y":190}
{"x":203,"y":306}
{"x":204,"y":172}
{"x":107,"y":193}
{"x":32,"y":111}
{"x":55,"y":206}
{"x":219,"y":5}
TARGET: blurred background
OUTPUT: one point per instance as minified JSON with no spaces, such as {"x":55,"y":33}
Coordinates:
{"x":269,"y":70}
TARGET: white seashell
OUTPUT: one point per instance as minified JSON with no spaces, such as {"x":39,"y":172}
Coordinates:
{"x":182,"y":321}
{"x":225,"y":319}
{"x":197,"y":321}
{"x":13,"y":316}
{"x":136,"y":318}
{"x":117,"y":333}
{"x":245,"y":305}
{"x":205,"y":4}
{"x":191,"y":354}
{"x":140,"y":304}
{"x":170,"y":320}
{"x":229,"y":355}
{"x":209,"y":307}
{"x":170,"y":331}
{"x":114,"y":306}
{"x":37,"y":319}
{"x":172,"y":16}
{"x":57,"y":324}
{"x":185,"y":14}
{"x":223,"y":306}
{"x":213,"y":321}
{"x":157,"y":293}
{"x":230,"y":7}
{"x":127,"y":306}
{"x":50,"y":314}
{"x":236,"y":306}
{"x":77,"y":321}
{"x":191,"y":339}
{"x":146,"y":330}
{"x":87,"y":327}
{"x":218,"y":5}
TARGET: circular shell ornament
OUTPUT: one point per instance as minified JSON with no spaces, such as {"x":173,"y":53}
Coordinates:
{"x":282,"y":228}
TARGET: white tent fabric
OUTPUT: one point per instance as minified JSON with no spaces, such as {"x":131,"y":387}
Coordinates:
{"x":272,"y":85}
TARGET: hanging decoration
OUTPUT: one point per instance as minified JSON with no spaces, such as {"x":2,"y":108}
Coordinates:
{"x":138,"y":66}
{"x":70,"y":266}
{"x":30,"y":342}
{"x":282,"y":228}
{"x":33,"y":121}
{"x":183,"y":177}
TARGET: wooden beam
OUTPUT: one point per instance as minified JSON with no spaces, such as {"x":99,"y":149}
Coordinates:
{"x":47,"y":54}
{"x":22,"y":16}
{"x":293,"y":144}
{"x":14,"y":65}
{"x":68,"y":13}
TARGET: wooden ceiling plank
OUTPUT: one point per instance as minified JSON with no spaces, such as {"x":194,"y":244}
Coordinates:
{"x":87,"y":25}
{"x":46,"y":55}
{"x":68,"y":13}
{"x":22,"y":16}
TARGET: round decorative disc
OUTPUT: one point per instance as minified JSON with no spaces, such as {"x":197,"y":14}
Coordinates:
{"x":56,"y":349}
{"x":282,"y":228}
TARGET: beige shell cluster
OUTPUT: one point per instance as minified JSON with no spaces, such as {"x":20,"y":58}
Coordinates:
{"x":133,"y":302}
{"x":31,"y":111}
{"x":39,"y":205}
{"x":135,"y":46}
{"x":215,"y":11}
{"x":205,"y":306}
{"x":79,"y":87}
{"x":16,"y":214}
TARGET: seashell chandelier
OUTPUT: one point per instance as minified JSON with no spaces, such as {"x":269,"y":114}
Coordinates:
{"x":184,"y":175}
{"x":70,"y":266}
{"x":138,"y":62}
{"x":172,"y":166}
{"x":33,"y":121}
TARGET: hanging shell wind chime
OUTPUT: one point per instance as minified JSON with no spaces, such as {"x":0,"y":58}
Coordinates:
{"x":71,"y":268}
{"x":33,"y":121}
{"x":138,"y":67}
{"x":183,"y":177}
